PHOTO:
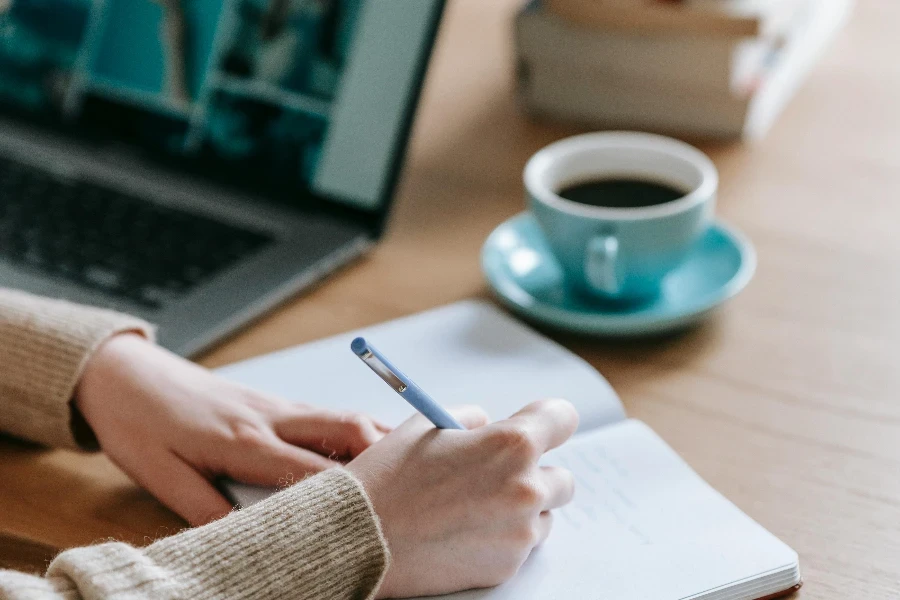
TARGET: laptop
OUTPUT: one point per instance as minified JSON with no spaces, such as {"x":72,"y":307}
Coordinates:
{"x":197,"y":162}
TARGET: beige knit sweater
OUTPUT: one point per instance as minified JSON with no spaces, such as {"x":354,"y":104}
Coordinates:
{"x":318,"y":540}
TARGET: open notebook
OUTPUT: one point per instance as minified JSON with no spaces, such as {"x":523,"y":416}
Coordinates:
{"x":643,"y":525}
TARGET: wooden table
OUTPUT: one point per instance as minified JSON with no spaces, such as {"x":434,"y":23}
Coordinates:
{"x":787,"y":402}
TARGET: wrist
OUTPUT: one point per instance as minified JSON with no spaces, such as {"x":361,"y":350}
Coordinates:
{"x":104,"y":369}
{"x":322,"y":525}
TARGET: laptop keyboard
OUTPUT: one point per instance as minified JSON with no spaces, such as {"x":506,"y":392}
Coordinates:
{"x":103,"y":239}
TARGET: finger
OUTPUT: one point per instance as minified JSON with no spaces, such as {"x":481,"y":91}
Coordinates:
{"x":469,"y":416}
{"x":549,"y":423}
{"x":382,"y":427}
{"x":559,"y":484}
{"x":544,"y":525}
{"x":274,"y":463}
{"x":345,"y":434}
{"x":188,"y":493}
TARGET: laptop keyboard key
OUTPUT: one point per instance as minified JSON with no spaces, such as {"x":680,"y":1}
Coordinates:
{"x":103,"y":239}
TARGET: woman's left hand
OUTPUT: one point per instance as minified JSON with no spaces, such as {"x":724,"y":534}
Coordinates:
{"x":174,"y":426}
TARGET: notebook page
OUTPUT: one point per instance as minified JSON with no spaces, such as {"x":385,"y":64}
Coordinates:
{"x":465,"y":353}
{"x":643,"y":526}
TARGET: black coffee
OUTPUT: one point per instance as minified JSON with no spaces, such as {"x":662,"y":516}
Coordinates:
{"x":621,"y":193}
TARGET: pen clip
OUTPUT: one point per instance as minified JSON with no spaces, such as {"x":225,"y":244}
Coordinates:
{"x":383,"y":371}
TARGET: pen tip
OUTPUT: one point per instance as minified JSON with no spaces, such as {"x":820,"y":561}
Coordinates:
{"x":359,"y":346}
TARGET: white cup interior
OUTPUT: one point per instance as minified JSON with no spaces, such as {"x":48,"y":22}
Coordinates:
{"x":621,"y":154}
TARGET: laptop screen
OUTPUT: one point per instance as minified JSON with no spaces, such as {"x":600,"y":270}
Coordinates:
{"x":302,"y":99}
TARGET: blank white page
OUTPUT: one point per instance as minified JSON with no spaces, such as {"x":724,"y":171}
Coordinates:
{"x":469,"y":352}
{"x":644,"y":526}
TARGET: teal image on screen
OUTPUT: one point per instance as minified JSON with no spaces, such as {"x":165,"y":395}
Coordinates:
{"x":39,"y":41}
{"x":300,"y":99}
{"x":295,"y":45}
{"x":157,"y":47}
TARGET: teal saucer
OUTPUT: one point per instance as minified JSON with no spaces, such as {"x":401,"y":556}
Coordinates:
{"x":525,"y":275}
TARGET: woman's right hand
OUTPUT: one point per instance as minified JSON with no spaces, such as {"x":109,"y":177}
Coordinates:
{"x":464,"y":509}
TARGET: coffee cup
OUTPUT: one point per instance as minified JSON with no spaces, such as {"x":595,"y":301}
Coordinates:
{"x":621,"y":210}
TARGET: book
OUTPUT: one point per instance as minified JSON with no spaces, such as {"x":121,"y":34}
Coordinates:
{"x":546,"y":42}
{"x":708,"y":86}
{"x":642,"y":526}
{"x":714,"y":18}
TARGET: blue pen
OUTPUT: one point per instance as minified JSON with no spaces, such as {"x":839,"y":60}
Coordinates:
{"x":404,"y":386}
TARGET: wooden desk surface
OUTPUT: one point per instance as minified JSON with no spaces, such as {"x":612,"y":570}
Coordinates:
{"x":787,"y":402}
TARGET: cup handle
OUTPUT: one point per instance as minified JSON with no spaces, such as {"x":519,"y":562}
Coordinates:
{"x":600,"y":264}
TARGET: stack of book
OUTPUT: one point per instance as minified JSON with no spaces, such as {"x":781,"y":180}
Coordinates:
{"x":698,"y":68}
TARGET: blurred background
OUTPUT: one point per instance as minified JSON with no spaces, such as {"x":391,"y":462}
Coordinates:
{"x":286,"y":101}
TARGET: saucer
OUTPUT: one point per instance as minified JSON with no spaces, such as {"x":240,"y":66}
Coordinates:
{"x":524,"y":274}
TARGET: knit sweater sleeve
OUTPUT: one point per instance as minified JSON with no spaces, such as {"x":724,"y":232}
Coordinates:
{"x":44,"y":346}
{"x":318,"y":540}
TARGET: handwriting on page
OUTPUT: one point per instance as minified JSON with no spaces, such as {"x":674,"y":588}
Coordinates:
{"x":602,"y":496}
{"x":642,"y":525}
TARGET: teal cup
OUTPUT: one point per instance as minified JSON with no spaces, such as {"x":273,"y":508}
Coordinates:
{"x":621,"y":254}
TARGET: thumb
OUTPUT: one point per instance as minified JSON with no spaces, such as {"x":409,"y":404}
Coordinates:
{"x":274,"y":463}
{"x":469,"y":416}
{"x":185,"y":491}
